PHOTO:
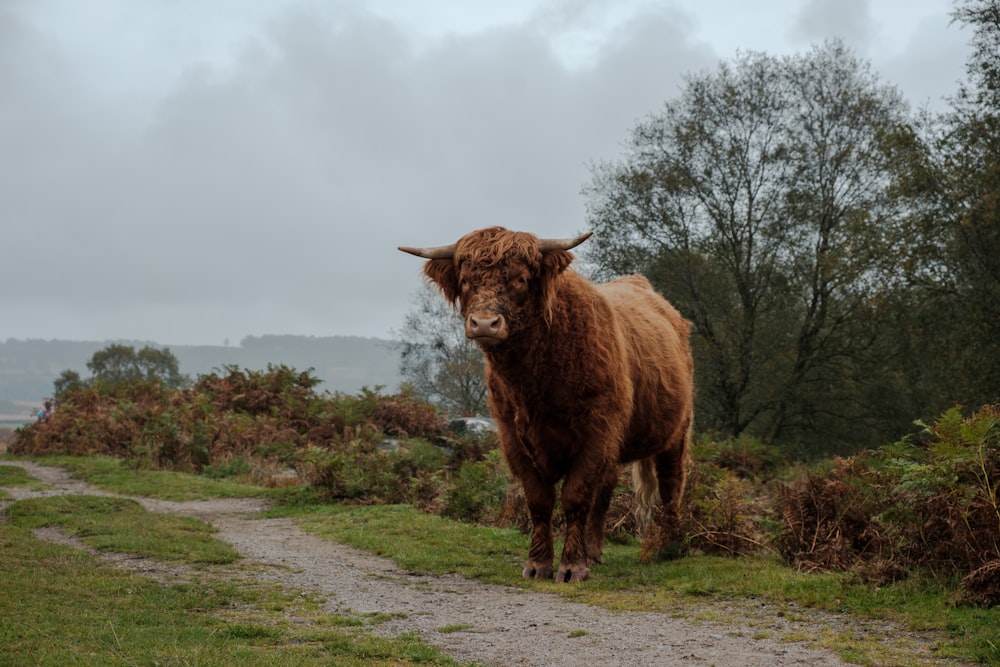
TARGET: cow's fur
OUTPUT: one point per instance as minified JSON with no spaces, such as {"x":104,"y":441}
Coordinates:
{"x":582,"y":377}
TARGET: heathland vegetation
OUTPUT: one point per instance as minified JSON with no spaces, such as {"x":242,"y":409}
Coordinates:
{"x":917,"y":519}
{"x":29,"y":367}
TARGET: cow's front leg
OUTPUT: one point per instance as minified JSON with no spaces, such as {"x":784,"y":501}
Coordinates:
{"x":577,"y":500}
{"x":541,"y":498}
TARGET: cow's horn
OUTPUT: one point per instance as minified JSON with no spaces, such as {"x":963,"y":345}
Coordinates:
{"x":441,"y":252}
{"x":548,"y":245}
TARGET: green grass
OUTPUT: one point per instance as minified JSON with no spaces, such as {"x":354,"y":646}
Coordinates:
{"x":123,"y":525}
{"x":474,"y":551}
{"x":62,"y":606}
{"x":17,"y":476}
{"x":115,"y":476}
{"x":710,"y":588}
{"x":457,"y":627}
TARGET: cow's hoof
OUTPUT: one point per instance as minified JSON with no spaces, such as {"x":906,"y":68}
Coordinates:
{"x":536,"y":571}
{"x":569,"y":574}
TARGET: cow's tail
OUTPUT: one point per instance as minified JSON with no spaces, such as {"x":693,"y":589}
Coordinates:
{"x":647,"y":490}
{"x":646,"y":484}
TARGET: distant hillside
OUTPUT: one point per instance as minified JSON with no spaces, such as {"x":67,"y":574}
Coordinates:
{"x":344,"y":363}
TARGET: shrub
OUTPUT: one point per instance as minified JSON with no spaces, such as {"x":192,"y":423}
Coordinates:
{"x":477,"y":490}
{"x":945,"y":503}
{"x":721,"y":513}
{"x":925,"y":503}
{"x":357,"y":471}
{"x":981,"y":586}
{"x":237,"y":467}
{"x":279,"y":391}
{"x":744,"y":455}
{"x":422,"y":456}
{"x":405,"y":415}
{"x":97,"y":420}
{"x":825,"y":517}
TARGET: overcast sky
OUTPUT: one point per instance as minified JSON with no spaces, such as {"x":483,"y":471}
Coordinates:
{"x":196,"y":171}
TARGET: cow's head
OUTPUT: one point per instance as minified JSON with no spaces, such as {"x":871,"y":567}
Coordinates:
{"x":501,"y":281}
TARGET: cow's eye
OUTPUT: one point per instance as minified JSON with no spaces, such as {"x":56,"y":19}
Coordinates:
{"x":464,"y":285}
{"x":521,"y":281}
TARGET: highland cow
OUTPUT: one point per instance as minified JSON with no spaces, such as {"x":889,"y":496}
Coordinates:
{"x":582,"y":378}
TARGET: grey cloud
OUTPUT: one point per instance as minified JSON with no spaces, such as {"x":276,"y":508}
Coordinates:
{"x":849,"y":20}
{"x":931,"y":64}
{"x":267,"y":194}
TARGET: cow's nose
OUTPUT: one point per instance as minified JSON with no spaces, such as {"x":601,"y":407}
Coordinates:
{"x":484,"y":324}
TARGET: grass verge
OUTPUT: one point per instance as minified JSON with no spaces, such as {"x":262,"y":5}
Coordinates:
{"x":115,"y":476}
{"x":63,"y":606}
{"x":123,"y":525}
{"x":17,"y":476}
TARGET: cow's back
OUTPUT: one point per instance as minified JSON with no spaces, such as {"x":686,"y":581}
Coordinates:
{"x":657,"y":344}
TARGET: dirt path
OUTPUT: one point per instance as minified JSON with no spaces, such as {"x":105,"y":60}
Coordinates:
{"x":504,"y":626}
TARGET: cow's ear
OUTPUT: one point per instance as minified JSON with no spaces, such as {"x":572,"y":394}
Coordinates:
{"x":442,"y":272}
{"x":555,"y":262}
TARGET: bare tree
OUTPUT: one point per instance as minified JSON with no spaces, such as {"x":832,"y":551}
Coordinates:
{"x":441,"y":364}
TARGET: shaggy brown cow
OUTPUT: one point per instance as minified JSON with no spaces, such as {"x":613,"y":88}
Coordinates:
{"x":582,"y":377}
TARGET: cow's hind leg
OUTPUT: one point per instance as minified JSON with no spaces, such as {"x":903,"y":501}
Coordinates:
{"x":665,"y":539}
{"x":603,"y":492}
{"x":671,"y":473}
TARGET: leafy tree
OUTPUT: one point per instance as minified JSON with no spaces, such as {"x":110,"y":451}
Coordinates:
{"x":759,"y":202}
{"x":983,"y":67}
{"x":67,"y":382}
{"x":439,"y":362}
{"x":948,"y":314}
{"x":968,"y":216}
{"x":118,"y":363}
